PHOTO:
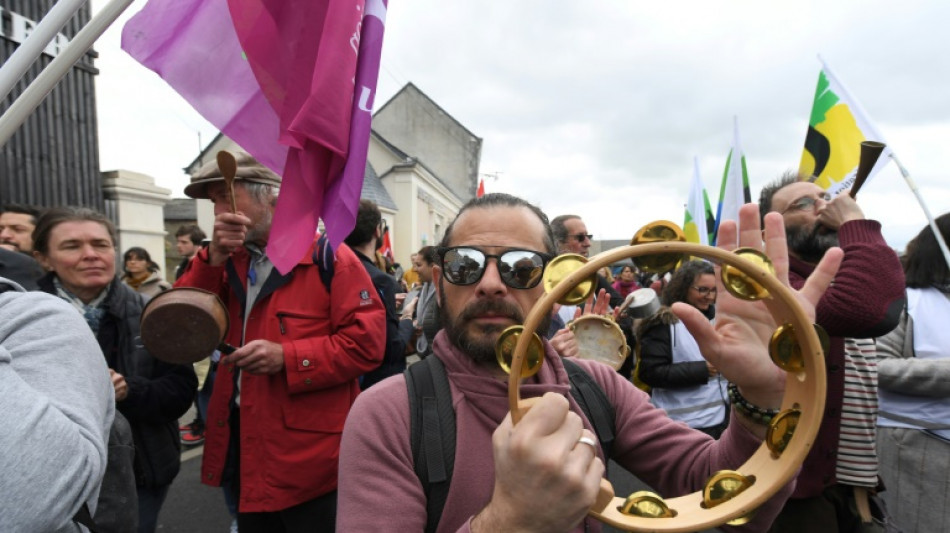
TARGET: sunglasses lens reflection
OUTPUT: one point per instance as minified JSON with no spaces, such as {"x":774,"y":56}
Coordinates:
{"x":519,"y":269}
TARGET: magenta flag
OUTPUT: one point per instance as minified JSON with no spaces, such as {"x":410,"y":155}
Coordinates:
{"x":291,"y":81}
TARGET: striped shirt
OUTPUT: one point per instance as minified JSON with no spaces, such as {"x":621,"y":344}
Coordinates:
{"x":857,"y":455}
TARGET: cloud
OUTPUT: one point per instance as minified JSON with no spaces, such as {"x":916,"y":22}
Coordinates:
{"x":598,"y":108}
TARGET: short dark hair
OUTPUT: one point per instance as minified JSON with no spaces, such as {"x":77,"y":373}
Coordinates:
{"x":429,"y":254}
{"x":139,"y":253}
{"x":768,"y":192}
{"x":23,"y":209}
{"x":924,"y":263}
{"x":55,"y":216}
{"x":367,"y":220}
{"x":683,"y":278}
{"x":194,"y":233}
{"x":499,"y":199}
{"x":558,"y":229}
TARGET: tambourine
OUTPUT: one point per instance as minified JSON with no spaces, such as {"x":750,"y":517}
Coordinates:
{"x":600,"y":339}
{"x":729,"y":496}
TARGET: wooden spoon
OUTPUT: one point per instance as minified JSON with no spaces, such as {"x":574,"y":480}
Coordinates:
{"x":228,"y":167}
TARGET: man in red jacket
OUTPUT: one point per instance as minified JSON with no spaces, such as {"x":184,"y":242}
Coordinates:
{"x":865,"y":301}
{"x":280,"y":400}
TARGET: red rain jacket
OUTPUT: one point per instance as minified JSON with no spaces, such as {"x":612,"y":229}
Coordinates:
{"x":291,"y":421}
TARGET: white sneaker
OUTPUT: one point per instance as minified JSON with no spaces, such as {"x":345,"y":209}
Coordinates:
{"x":234,"y":528}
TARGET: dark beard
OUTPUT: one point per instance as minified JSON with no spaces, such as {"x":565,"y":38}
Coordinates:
{"x":481,"y":349}
{"x":810,"y":246}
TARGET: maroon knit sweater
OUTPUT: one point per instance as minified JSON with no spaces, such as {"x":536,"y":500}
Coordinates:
{"x":865,"y":300}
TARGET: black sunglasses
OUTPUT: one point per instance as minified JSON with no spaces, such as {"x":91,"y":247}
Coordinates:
{"x":580,"y":237}
{"x":519,"y":269}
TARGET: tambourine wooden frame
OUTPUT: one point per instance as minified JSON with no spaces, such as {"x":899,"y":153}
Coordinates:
{"x":805,"y":391}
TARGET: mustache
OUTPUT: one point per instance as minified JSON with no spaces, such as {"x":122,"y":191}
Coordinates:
{"x":495,"y":307}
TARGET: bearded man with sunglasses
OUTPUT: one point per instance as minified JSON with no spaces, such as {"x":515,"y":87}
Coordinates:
{"x":864,"y":302}
{"x":543,"y":474}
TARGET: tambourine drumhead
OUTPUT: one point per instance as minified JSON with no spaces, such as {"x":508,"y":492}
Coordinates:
{"x":600,"y":339}
{"x":766,"y":470}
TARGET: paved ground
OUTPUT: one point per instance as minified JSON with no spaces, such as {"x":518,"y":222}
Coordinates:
{"x":192,"y":507}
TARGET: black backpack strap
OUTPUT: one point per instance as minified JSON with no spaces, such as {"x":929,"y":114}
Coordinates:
{"x":432,"y":433}
{"x":323,"y":258}
{"x":592,"y":399}
{"x":432,"y":425}
{"x":84,"y":518}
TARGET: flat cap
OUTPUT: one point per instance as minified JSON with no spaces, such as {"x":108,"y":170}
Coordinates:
{"x":248,"y":169}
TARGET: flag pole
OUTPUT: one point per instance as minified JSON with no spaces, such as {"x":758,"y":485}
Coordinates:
{"x":24,"y":105}
{"x":930,"y":219}
{"x":32,"y":48}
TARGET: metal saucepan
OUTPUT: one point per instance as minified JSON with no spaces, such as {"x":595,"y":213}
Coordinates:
{"x":641,"y":303}
{"x":185,"y":325}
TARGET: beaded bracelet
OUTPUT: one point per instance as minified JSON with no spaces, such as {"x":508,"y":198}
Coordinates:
{"x":753,"y":412}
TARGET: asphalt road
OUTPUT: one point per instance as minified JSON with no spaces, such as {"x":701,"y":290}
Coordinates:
{"x":190,"y":506}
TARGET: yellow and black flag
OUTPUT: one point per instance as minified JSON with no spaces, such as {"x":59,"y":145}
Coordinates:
{"x":836,"y":128}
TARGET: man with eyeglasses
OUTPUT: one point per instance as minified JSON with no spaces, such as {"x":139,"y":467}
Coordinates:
{"x":542,"y":474}
{"x":864,"y":302}
{"x":570,"y":234}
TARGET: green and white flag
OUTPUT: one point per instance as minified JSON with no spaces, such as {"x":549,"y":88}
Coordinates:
{"x":836,"y":128}
{"x":699,"y":217}
{"x":735,"y":184}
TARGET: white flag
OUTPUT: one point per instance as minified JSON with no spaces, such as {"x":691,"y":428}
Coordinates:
{"x":698,"y":213}
{"x":735,"y":184}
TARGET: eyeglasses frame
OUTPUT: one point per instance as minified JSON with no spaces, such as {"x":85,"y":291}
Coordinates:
{"x":442,"y":250}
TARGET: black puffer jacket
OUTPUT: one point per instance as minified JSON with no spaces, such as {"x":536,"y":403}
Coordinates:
{"x":656,"y":354}
{"x":159,"y":393}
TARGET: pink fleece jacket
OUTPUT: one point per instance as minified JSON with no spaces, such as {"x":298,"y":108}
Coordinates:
{"x":379,"y":490}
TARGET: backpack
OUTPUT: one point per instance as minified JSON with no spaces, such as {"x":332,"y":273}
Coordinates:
{"x":432,"y":425}
{"x":117,"y":508}
{"x":324,"y":259}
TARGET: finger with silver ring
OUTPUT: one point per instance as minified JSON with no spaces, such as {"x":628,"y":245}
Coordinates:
{"x":584,"y":439}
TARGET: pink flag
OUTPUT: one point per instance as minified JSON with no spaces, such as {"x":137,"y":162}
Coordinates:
{"x":290,"y":81}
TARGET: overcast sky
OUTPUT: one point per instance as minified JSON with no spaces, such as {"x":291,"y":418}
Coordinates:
{"x":597,"y":108}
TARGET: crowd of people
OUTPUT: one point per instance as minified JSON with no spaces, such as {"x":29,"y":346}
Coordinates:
{"x":311,"y":422}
